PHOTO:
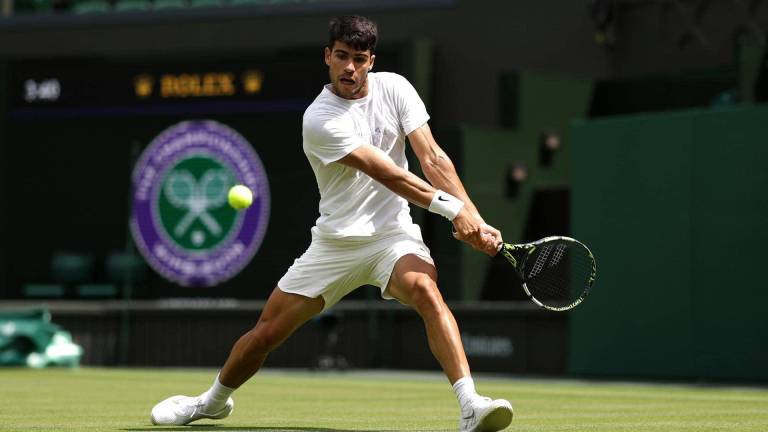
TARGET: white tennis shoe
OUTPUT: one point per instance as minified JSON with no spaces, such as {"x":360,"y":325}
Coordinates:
{"x":181,"y":410}
{"x":485,"y":415}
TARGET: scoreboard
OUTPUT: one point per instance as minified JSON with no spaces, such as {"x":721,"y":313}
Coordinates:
{"x":117,"y":88}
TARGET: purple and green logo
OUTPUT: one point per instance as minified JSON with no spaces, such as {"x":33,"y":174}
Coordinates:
{"x":181,"y":221}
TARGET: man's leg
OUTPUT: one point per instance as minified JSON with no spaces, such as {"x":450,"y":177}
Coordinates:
{"x":414,"y":282}
{"x":282,"y":315}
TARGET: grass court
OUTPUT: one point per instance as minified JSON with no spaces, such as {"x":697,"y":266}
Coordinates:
{"x":119,"y":400}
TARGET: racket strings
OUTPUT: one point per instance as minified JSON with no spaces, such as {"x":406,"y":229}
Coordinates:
{"x":560,"y":274}
{"x":541,"y":260}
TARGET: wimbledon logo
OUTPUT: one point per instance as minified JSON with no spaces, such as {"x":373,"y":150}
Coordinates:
{"x":181,"y":221}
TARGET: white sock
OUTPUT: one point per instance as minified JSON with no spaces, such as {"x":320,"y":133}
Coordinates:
{"x":216,"y":397}
{"x":465,"y":391}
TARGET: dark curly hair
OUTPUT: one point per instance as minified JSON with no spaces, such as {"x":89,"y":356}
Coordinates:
{"x":356,"y":31}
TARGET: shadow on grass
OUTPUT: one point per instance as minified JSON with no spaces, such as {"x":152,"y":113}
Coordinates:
{"x":216,"y":428}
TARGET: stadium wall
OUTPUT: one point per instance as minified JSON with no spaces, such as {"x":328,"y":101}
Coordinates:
{"x":503,"y":337}
{"x":673,"y":206}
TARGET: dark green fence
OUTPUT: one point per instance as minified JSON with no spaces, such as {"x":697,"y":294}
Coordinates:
{"x":675,"y":208}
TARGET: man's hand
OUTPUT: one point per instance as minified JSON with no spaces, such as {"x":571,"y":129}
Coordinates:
{"x":493,"y":236}
{"x":471,"y":229}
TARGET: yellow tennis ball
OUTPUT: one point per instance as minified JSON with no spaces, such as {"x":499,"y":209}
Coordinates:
{"x":240,"y":197}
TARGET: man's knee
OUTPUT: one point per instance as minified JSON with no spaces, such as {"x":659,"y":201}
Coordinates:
{"x":262,"y":339}
{"x":426,"y":297}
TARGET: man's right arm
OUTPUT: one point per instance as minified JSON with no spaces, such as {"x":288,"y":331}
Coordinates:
{"x":375,"y":163}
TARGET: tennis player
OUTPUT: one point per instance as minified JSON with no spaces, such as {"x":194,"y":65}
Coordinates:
{"x":354,"y":137}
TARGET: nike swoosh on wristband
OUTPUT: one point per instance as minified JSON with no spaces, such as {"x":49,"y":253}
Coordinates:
{"x":442,"y":198}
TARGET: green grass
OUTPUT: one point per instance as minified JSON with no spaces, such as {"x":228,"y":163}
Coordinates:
{"x":120,"y":400}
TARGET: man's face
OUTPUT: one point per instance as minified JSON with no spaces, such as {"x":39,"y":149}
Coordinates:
{"x":348,"y":69}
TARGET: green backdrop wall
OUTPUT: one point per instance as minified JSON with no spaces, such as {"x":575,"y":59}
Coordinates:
{"x":675,"y":209}
{"x":541,"y":102}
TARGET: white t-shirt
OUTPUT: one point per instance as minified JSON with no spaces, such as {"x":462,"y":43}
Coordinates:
{"x":351,"y":202}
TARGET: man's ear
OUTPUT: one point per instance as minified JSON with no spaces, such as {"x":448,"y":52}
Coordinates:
{"x":373,"y":59}
{"x":327,"y":56}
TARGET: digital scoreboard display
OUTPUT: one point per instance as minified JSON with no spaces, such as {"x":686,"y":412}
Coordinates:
{"x":114,"y":88}
{"x":110,"y":83}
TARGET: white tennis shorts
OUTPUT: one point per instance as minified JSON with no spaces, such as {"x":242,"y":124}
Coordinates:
{"x":333,"y":268}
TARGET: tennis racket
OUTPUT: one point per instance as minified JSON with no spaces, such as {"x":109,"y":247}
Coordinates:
{"x":557,"y":272}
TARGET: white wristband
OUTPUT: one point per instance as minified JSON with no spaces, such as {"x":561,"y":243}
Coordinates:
{"x":446,"y":205}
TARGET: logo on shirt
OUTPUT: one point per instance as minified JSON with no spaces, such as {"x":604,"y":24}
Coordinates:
{"x":181,"y":221}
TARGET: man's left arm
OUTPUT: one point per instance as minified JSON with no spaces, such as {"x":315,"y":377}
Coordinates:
{"x":437,"y":166}
{"x":439,"y":169}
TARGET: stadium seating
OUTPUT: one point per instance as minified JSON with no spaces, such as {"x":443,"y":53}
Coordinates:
{"x":124,"y":268}
{"x":67,"y":270}
{"x":169,"y":4}
{"x":43,"y":291}
{"x":132,"y":5}
{"x":28,"y":7}
{"x":32,"y":6}
{"x":90,"y":6}
{"x":71,"y":267}
{"x":247,"y":2}
{"x":96,"y":290}
{"x":205,"y":3}
{"x":75,"y":274}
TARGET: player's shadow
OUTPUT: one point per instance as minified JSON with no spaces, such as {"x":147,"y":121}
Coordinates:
{"x":216,"y":428}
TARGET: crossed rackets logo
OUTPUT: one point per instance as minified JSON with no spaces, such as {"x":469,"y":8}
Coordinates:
{"x":197,"y":197}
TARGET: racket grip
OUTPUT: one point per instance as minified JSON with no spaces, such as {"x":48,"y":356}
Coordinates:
{"x":498,"y":248}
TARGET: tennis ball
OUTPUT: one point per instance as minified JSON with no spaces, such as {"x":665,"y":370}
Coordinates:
{"x":240,"y":197}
